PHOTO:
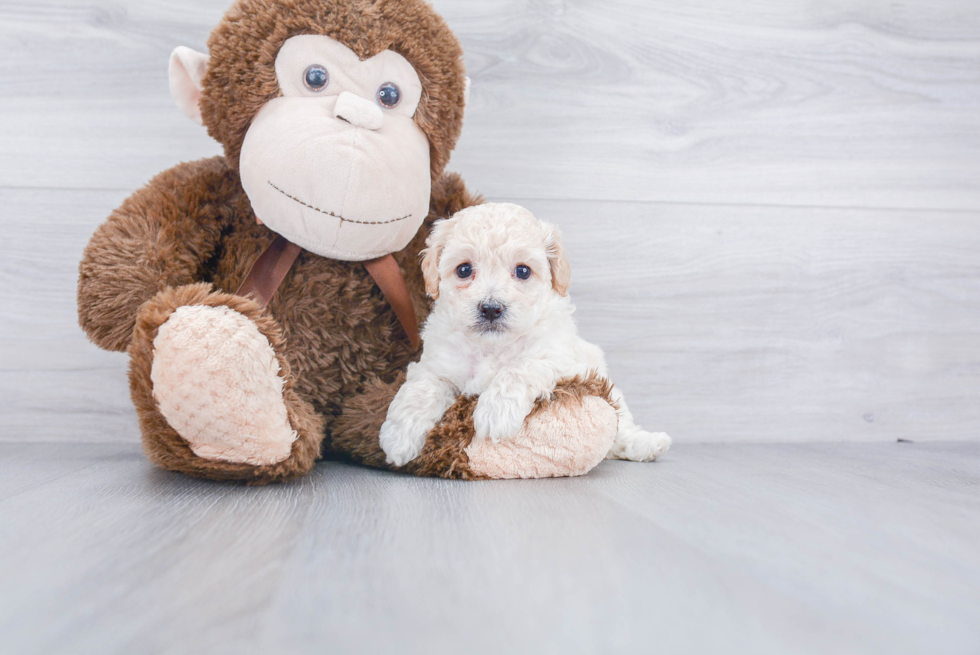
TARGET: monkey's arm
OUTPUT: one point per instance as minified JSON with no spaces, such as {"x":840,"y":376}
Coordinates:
{"x":161,"y":236}
{"x":450,"y":195}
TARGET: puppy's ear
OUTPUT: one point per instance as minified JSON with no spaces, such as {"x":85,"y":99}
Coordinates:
{"x":430,"y":256}
{"x":561,"y":270}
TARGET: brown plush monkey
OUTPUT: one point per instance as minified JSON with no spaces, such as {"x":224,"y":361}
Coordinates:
{"x":337,"y":119}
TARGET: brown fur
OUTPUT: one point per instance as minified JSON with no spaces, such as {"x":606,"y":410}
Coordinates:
{"x":444,"y":453}
{"x":243,"y":48}
{"x":190,"y":236}
{"x":193,"y":224}
{"x":161,"y":442}
{"x":165,"y":234}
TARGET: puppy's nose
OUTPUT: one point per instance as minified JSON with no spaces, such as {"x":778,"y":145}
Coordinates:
{"x":491,"y":311}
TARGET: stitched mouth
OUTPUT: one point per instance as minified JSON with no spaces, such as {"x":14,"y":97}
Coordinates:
{"x":337,"y":216}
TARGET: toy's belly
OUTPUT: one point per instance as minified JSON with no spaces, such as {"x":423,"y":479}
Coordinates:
{"x":339,"y":330}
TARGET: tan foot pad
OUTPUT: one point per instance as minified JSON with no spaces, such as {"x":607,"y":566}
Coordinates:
{"x":216,"y":381}
{"x":546,"y":447}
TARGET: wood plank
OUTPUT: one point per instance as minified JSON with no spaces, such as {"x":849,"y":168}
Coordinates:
{"x":811,"y":548}
{"x":719,"y":323}
{"x":841,"y":104}
{"x":870,"y":509}
{"x":54,"y":384}
{"x":26,"y":466}
{"x":782,"y":324}
{"x":153,"y":559}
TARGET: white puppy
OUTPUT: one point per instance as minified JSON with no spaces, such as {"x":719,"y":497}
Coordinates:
{"x":501,"y":328}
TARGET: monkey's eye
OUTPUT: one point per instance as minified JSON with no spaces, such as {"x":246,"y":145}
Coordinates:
{"x":522,"y":272}
{"x":463,"y":271}
{"x":389,"y":95}
{"x":316,"y":78}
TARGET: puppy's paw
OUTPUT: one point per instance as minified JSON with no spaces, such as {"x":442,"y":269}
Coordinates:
{"x":639,"y":445}
{"x":497,"y":417}
{"x":400,"y":443}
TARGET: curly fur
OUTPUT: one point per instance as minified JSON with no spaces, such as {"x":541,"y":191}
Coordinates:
{"x":193,"y":224}
{"x":190,"y":235}
{"x":509,"y":358}
{"x":444,"y":454}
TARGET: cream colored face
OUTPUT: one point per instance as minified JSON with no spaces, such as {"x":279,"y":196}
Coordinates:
{"x":337,"y":164}
{"x":495,"y":255}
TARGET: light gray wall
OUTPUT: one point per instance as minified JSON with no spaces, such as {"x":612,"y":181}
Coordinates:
{"x":773,"y":208}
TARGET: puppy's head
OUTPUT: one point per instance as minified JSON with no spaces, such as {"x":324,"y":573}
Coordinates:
{"x":494,"y":267}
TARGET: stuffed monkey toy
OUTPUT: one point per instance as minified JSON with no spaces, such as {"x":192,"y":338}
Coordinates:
{"x":270,"y":299}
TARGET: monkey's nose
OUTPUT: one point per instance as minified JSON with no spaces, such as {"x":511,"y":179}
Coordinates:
{"x":491,"y":311}
{"x":358,"y":112}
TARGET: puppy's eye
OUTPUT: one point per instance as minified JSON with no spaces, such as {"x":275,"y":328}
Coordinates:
{"x":522,"y":272}
{"x":463,"y":271}
{"x":316,"y":78}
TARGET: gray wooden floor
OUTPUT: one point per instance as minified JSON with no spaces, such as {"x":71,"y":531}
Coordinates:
{"x":773,"y":215}
{"x":824,"y":548}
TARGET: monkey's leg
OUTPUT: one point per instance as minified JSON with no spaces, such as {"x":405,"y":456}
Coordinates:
{"x":563,"y":437}
{"x":213,"y":393}
{"x":566,"y":436}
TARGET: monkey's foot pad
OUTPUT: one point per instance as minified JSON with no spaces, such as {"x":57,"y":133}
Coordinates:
{"x":216,"y":381}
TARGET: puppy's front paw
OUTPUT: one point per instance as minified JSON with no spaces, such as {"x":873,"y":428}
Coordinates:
{"x":401,"y":446}
{"x":640,"y":446}
{"x":497,"y":417}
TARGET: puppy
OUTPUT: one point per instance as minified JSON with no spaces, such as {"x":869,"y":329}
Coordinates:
{"x":501,"y":328}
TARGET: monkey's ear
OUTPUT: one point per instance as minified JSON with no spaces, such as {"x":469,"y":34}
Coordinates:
{"x":561,"y":270}
{"x":187,"y":69}
{"x":466,"y":92}
{"x":430,"y":257}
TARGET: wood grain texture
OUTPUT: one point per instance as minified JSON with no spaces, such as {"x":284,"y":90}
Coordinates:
{"x":867,"y":548}
{"x":772,"y":214}
{"x":782,"y":324}
{"x":838,"y":103}
{"x":719,"y":323}
{"x":744,"y":315}
{"x":54,"y":384}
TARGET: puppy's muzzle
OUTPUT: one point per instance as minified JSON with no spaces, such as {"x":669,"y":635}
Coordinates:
{"x":491,"y":311}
